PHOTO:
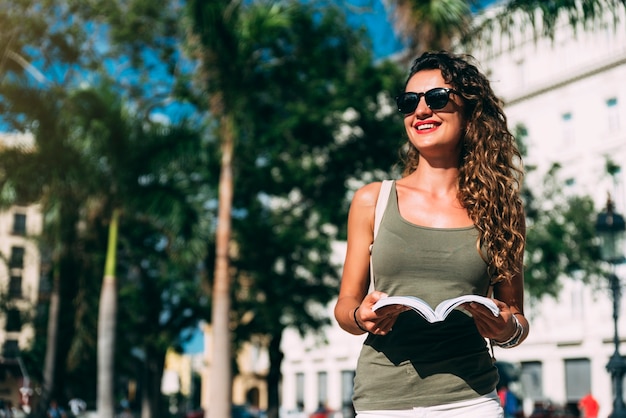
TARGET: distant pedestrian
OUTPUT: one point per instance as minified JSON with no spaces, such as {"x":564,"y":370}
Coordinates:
{"x":322,"y":411}
{"x":126,"y":413}
{"x":77,"y":406}
{"x":509,"y":402}
{"x":5,"y":411}
{"x":588,"y":406}
{"x":55,"y":411}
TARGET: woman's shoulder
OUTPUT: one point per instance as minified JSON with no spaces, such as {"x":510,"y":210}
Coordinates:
{"x":367,"y":195}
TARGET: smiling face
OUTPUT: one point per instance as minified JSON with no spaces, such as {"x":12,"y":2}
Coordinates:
{"x":435,"y":132}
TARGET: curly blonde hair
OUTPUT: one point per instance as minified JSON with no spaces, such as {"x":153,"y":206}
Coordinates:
{"x":490,"y":164}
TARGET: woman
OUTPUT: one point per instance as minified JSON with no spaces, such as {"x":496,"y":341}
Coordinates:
{"x":454,"y":225}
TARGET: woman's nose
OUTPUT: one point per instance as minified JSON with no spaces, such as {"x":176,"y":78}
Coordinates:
{"x":422,"y":108}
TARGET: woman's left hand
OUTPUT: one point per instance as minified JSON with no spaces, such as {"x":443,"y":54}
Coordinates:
{"x":498,"y":328}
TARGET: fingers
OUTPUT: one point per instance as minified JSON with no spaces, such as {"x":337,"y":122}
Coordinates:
{"x":379,"y":323}
{"x":384,"y":326}
{"x":490,"y":326}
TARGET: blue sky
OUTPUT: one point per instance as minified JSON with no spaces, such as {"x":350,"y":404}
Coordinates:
{"x":372,"y":15}
{"x":196,"y":344}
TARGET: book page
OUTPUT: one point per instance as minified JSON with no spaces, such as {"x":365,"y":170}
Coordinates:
{"x":413,"y":302}
{"x":443,"y":309}
{"x":448,"y":305}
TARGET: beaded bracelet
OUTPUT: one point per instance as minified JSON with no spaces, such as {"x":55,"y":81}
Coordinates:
{"x":357,"y":322}
{"x":515,"y":338}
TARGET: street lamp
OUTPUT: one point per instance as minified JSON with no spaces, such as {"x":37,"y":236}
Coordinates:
{"x":610,"y":227}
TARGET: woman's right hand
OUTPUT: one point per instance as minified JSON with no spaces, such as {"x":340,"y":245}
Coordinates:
{"x":379,"y":322}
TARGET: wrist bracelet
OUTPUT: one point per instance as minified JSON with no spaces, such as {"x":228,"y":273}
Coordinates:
{"x":357,"y":322}
{"x":515,"y":338}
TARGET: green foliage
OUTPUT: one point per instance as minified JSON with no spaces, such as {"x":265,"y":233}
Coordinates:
{"x":312,"y":113}
{"x":560,"y":231}
{"x":561,"y":238}
{"x":544,"y":15}
{"x":612,"y":168}
{"x":312,"y":78}
{"x":432,"y":24}
{"x":52,"y":174}
{"x":152,"y":172}
{"x":42,"y":43}
{"x":93,"y":153}
{"x":518,"y":20}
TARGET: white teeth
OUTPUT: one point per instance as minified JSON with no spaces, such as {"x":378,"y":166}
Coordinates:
{"x":426,"y":126}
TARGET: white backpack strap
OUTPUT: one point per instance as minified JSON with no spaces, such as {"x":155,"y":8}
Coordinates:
{"x":381,"y":204}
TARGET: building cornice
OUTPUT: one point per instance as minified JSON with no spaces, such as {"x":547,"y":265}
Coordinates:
{"x":588,"y":71}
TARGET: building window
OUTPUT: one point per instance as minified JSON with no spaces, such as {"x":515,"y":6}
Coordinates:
{"x":14,"y":321}
{"x":577,"y":379}
{"x":532,"y":380}
{"x":347,"y":389}
{"x":19,"y":224}
{"x":10,"y":349}
{"x":17,"y":258}
{"x":567,"y":128}
{"x":322,"y":388}
{"x":300,"y":391}
{"x":15,"y":286}
{"x":45,"y":282}
{"x":613,"y":113}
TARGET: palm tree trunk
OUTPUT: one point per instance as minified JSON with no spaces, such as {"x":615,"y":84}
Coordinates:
{"x":106,"y":326}
{"x":221,"y":374}
{"x":152,"y":404}
{"x":50,"y":361}
{"x":273,"y":376}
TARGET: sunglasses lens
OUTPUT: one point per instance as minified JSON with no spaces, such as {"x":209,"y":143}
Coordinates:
{"x":436,"y":98}
{"x":407,"y":102}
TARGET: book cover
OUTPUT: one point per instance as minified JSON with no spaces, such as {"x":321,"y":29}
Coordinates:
{"x":441,"y":311}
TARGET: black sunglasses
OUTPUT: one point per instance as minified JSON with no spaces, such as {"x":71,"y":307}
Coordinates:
{"x":436,"y":99}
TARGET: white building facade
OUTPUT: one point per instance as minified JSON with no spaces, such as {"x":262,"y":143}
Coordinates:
{"x":20,"y":272}
{"x":570,"y":95}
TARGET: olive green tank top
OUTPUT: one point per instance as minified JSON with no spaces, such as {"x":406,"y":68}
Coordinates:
{"x":421,"y":364}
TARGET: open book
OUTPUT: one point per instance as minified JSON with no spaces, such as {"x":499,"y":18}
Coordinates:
{"x":441,"y":311}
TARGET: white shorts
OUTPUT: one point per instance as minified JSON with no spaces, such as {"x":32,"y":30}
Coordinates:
{"x":487,"y":406}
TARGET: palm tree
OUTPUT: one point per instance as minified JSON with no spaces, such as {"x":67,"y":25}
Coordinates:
{"x":221,"y":40}
{"x":544,"y":16}
{"x":277,"y":70}
{"x":53,"y":175}
{"x":129,"y":152}
{"x":107,"y":309}
{"x":441,"y":24}
{"x":431,"y":24}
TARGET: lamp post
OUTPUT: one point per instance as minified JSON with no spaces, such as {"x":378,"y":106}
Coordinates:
{"x":610,"y":227}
